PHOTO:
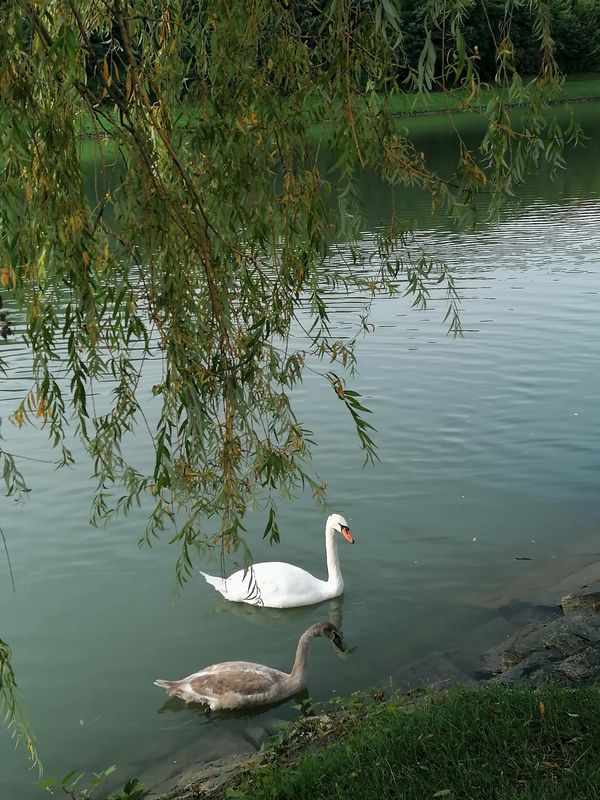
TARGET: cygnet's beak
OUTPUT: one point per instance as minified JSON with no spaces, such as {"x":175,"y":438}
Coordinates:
{"x":338,"y":642}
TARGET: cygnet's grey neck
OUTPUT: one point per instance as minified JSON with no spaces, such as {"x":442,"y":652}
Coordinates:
{"x":301,"y":661}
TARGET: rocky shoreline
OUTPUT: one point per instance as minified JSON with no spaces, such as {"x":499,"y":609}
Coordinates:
{"x":558,"y":644}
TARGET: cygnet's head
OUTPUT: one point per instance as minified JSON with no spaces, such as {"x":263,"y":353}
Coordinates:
{"x":329,"y":631}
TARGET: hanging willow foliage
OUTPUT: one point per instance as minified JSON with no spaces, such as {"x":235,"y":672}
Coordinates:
{"x":9,"y":706}
{"x":216,"y":232}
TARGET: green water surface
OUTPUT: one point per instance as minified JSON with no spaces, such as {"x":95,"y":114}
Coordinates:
{"x":489,"y":447}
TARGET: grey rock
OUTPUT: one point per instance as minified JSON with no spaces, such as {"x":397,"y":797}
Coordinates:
{"x":575,"y":602}
{"x":565,"y":651}
{"x":533,"y":669}
{"x":580,"y":668}
{"x":208,"y":779}
{"x":520,"y":613}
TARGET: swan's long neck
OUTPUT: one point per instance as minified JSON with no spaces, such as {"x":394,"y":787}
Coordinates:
{"x":300,"y":662}
{"x":334,"y":575}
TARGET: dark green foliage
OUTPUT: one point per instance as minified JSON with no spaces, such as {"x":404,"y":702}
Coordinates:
{"x":77,"y":786}
{"x":491,"y":25}
{"x":576,"y":32}
{"x":9,"y":705}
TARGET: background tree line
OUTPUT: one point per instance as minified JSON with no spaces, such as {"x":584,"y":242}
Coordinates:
{"x":574,"y":24}
{"x":487,"y":27}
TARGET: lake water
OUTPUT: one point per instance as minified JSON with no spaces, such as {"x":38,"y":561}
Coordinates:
{"x":489,"y":447}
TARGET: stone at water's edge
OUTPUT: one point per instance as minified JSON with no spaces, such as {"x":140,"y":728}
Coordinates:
{"x":209,"y":779}
{"x":561,"y":647}
{"x":573,"y":602}
{"x":467,"y":666}
{"x":440,"y":670}
{"x":565,"y":651}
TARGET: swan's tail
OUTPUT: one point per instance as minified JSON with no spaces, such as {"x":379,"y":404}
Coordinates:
{"x":219,"y":583}
{"x":169,"y":686}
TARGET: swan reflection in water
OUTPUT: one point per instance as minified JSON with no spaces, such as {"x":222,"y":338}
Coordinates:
{"x":271,"y":616}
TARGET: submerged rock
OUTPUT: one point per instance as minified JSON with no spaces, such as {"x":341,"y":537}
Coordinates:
{"x":555,"y":645}
{"x":470,"y":666}
{"x":440,"y":670}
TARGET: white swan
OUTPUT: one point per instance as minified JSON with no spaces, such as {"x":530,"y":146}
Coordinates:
{"x":241,"y":684}
{"x":278,"y":585}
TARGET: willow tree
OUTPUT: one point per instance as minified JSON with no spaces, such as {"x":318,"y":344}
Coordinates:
{"x":215,"y":235}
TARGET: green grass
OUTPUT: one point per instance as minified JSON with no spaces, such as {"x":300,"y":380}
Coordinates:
{"x":582,"y":87}
{"x":489,"y":744}
{"x":578,"y":87}
{"x":575,"y":88}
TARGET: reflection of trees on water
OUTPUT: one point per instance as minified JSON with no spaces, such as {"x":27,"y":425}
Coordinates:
{"x":432,"y":136}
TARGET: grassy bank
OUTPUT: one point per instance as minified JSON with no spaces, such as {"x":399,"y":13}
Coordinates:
{"x":576,"y":88}
{"x":496,"y":742}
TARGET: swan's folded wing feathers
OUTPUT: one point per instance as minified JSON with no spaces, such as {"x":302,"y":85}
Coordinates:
{"x":240,"y":677}
{"x":279,"y":584}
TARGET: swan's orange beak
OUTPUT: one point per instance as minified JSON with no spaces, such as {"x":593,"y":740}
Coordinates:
{"x":346,"y":533}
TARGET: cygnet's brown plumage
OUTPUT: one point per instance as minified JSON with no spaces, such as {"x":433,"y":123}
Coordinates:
{"x":241,"y":684}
